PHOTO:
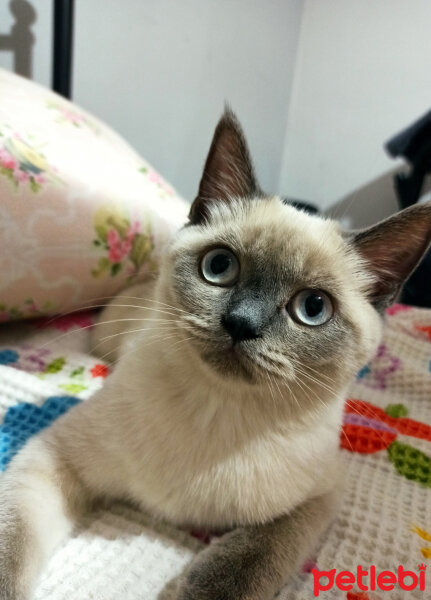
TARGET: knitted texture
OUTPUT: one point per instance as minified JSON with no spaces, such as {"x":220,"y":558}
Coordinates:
{"x":384,"y":517}
{"x":24,"y":420}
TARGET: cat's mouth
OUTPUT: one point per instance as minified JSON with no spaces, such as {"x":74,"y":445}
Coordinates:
{"x":231,"y":361}
{"x":227,"y":359}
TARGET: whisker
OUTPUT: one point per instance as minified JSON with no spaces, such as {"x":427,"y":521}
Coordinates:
{"x":271,"y":390}
{"x":62,"y":335}
{"x":148,"y":299}
{"x":142,"y":329}
{"x":151,"y":339}
{"x":164,"y":304}
{"x":323,"y":385}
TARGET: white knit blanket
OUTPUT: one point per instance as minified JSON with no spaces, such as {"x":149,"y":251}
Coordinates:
{"x":385,"y":515}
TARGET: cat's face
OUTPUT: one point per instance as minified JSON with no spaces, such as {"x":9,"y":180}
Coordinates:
{"x":274,"y":294}
{"x":270,"y":294}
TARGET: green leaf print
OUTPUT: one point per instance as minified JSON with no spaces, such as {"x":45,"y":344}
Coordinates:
{"x":102,"y":266}
{"x":116,"y":268}
{"x":55,"y":366}
{"x":141,"y":249}
{"x":410,"y":462}
{"x":73,"y":388}
{"x":34,"y":186}
{"x":78,"y":372}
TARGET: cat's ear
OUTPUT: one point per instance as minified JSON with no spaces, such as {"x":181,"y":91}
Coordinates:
{"x":393,"y":248}
{"x":228,"y":171}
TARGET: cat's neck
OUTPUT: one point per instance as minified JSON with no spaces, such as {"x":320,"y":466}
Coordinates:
{"x":183,"y":378}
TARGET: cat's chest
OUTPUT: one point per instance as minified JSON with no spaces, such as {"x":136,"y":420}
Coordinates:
{"x":208,"y":472}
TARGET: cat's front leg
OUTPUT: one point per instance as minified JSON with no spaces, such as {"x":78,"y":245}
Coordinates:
{"x":39,"y":500}
{"x":12,"y":556}
{"x":253,"y":563}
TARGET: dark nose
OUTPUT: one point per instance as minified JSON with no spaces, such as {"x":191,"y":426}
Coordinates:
{"x":240,"y":327}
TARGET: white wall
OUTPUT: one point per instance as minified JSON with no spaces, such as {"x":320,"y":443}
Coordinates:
{"x":159,"y":71}
{"x":363,"y":72}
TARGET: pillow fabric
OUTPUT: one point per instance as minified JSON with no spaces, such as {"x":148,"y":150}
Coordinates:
{"x":82,"y":215}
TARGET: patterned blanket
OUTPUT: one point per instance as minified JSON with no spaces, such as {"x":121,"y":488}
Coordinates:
{"x":384,"y":521}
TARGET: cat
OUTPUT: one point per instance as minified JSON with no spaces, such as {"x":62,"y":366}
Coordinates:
{"x":224,"y":409}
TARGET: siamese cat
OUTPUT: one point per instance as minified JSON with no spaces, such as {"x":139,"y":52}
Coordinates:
{"x":225,"y":406}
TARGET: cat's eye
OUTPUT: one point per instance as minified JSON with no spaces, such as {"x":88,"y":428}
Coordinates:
{"x":220,"y":267}
{"x":311,"y":307}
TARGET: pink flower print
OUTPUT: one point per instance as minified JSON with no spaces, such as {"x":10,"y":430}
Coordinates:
{"x":113,"y":237}
{"x":154,"y":177}
{"x":115,"y":253}
{"x":71,"y":116}
{"x":7,"y":160}
{"x":21,"y":176}
{"x":40,"y":178}
{"x":118,"y":248}
{"x":133,"y":230}
{"x":126,"y":246}
{"x":131,"y":233}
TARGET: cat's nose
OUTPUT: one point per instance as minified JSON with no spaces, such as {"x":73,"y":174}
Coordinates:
{"x":240,"y":327}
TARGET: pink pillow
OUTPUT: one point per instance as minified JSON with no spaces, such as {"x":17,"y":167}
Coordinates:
{"x":82,"y":215}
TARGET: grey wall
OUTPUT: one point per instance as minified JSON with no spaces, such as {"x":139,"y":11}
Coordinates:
{"x":159,"y":71}
{"x":363,"y":72}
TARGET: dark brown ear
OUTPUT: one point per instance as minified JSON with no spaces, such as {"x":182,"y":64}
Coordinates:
{"x":228,"y":171}
{"x":393,"y":249}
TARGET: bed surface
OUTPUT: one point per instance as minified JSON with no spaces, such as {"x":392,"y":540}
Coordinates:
{"x":385,"y":514}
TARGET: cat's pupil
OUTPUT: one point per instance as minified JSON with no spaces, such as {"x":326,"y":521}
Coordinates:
{"x":314,"y":305}
{"x":220,"y":263}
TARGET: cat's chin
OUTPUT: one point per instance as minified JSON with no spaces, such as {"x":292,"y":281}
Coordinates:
{"x":231,"y":362}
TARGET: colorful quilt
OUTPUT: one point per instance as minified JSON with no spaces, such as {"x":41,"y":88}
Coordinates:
{"x":380,"y":543}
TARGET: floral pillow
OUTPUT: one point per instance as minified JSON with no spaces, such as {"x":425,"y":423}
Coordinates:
{"x":82,"y":215}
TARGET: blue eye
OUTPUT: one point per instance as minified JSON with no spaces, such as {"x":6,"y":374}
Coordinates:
{"x":220,"y":267}
{"x":311,"y":307}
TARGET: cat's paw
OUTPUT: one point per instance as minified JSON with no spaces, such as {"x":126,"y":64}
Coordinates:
{"x":202,"y":583}
{"x":170,"y":591}
{"x":211,"y":588}
{"x":222,"y":573}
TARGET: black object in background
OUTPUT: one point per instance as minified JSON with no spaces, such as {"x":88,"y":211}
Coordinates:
{"x":62,"y":47}
{"x":417,"y":289}
{"x":306,"y":206}
{"x":414,"y":145}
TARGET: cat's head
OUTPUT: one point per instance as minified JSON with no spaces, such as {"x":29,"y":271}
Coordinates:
{"x":267,"y":294}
